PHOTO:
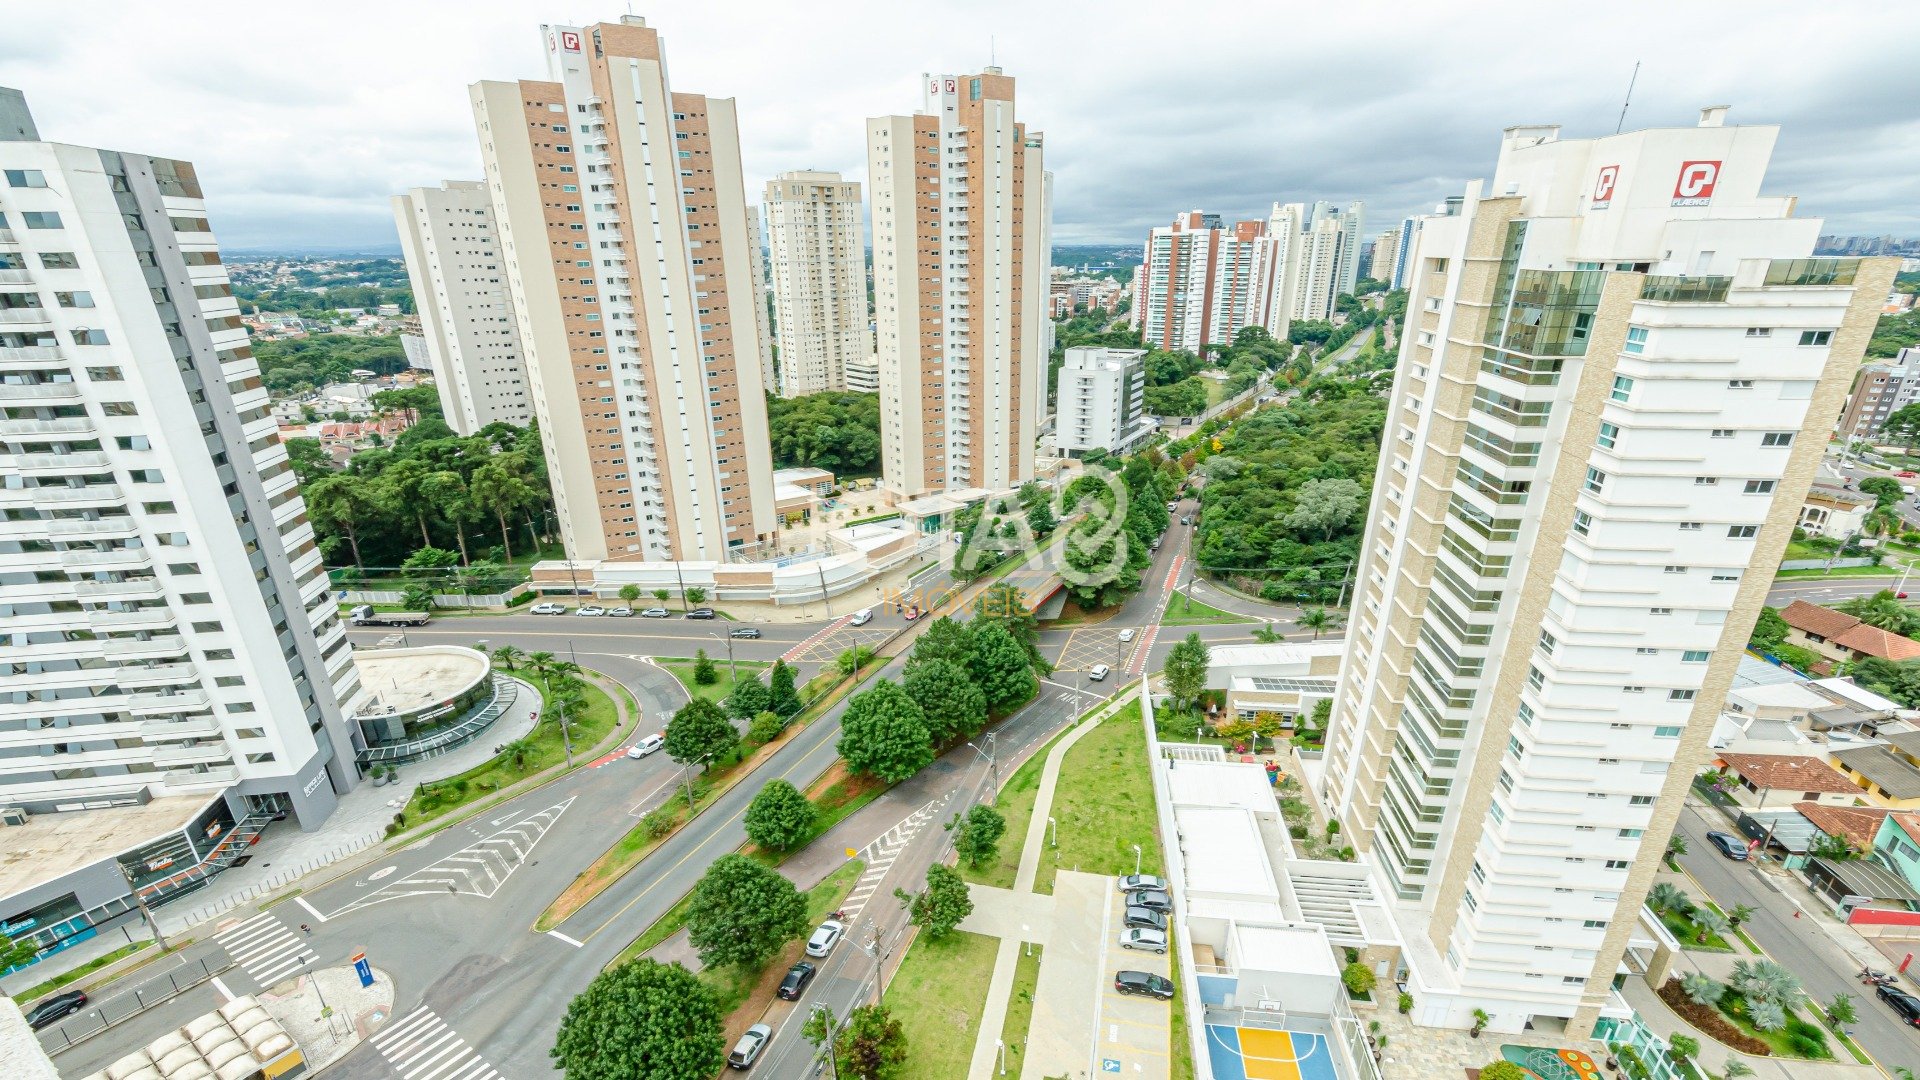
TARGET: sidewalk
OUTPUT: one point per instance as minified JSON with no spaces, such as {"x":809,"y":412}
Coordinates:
{"x":999,"y":911}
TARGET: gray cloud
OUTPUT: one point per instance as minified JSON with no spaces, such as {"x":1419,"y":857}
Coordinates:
{"x":303,"y":120}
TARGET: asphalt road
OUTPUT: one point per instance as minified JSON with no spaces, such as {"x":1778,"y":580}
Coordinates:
{"x":1797,"y":944}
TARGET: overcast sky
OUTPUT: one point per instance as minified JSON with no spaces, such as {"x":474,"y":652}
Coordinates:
{"x":304,"y":118}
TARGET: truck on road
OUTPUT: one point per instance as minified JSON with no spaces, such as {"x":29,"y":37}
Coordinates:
{"x":364,"y":615}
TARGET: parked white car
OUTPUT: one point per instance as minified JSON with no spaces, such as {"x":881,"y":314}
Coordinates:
{"x":548,"y":608}
{"x":647,"y":744}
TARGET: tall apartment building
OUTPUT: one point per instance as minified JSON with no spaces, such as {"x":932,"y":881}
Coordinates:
{"x":1879,"y":391}
{"x":1328,"y":256}
{"x":1384,"y":257}
{"x":819,"y":279}
{"x":762,"y":295}
{"x":623,"y":222}
{"x":1100,"y":400}
{"x":1201,"y":281}
{"x":166,"y":627}
{"x":466,"y":315}
{"x":961,"y":250}
{"x":1279,"y":286}
{"x":1618,"y":378}
{"x":1403,"y":251}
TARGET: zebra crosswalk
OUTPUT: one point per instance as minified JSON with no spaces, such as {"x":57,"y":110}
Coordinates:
{"x":880,"y":854}
{"x":265,"y":949}
{"x":479,"y":869}
{"x":420,"y":1046}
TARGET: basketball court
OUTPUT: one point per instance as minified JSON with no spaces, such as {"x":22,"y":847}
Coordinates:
{"x":1239,"y":1053}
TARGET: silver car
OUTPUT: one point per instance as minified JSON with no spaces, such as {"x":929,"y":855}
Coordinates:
{"x":1153,"y":941}
{"x":825,"y":938}
{"x":747,"y":1050}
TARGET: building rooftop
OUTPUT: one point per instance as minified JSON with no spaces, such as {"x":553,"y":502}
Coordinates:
{"x":1781,"y":696}
{"x":801,"y":476}
{"x":1220,"y":783}
{"x":1857,"y":825}
{"x":1226,"y":857}
{"x":1788,"y":772}
{"x":1819,"y":621}
{"x":1852,"y":693}
{"x":1294,"y":950}
{"x":52,"y":846}
{"x":1885,"y":769}
{"x":1874,"y":641}
{"x":407,"y":680}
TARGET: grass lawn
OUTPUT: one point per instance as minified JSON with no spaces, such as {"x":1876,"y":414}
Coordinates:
{"x":938,"y":995}
{"x":1103,"y":803}
{"x":1839,"y":572}
{"x":442,"y":796}
{"x":1180,"y":1045}
{"x":683,"y":670}
{"x":1182,"y":610}
{"x":37,"y":990}
{"x":1800,"y":549}
{"x":1013,"y":1031}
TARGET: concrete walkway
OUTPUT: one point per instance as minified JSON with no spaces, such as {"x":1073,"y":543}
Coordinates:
{"x":1020,"y":914}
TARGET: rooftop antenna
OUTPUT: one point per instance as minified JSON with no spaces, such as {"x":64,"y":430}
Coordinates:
{"x":992,"y":56}
{"x":1629,"y":99}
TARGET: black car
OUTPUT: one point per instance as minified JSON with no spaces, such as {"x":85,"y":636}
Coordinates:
{"x":744,"y":632}
{"x":57,"y":1007}
{"x":1730,"y":845}
{"x":700,"y":613}
{"x":798,"y":976}
{"x":1145,"y":917}
{"x":1143,"y":982}
{"x":1902,"y":1002}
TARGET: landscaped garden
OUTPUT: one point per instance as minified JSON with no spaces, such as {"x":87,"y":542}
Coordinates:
{"x":1102,"y":805}
{"x":1755,"y":1011}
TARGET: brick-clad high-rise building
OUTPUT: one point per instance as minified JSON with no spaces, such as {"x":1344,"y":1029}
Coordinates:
{"x":624,"y":229}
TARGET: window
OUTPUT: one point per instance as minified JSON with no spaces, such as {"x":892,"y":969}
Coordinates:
{"x":1616,"y":864}
{"x":1641,"y":800}
{"x":1759,"y":331}
{"x":74,"y":299}
{"x":1660,"y":611}
{"x":1609,"y":434}
{"x":26,"y":178}
{"x":1759,"y":487}
{"x":1622,"y":388}
{"x":1676,"y":569}
{"x":1689,"y":526}
{"x":59,"y":260}
{"x":1644,"y":651}
{"x":40,"y":219}
{"x":1723,"y":433}
{"x":1742,"y":532}
{"x":1739,"y":384}
{"x":1680,"y":695}
{"x":1667,"y":732}
{"x":1547,"y":643}
{"x":1816,"y":337}
{"x":1633,"y":689}
{"x":1777,"y":438}
{"x":1582,"y":521}
{"x":119,"y":408}
{"x":1595,"y":924}
{"x":1694,"y":656}
{"x":1636,"y":339}
{"x":1596,"y":480}
{"x":1705,"y":481}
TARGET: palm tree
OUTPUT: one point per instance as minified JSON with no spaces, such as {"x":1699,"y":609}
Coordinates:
{"x":1316,"y":620}
{"x":1707,"y":923}
{"x":508,"y":656}
{"x":1880,"y":521}
{"x":517,"y":751}
{"x":1841,"y":1011}
{"x":1266,"y":633}
{"x":1735,"y":1069}
{"x":1666,"y":896}
{"x":1763,"y":981}
{"x":1702,"y":989}
{"x":1676,"y":845}
{"x":541,"y":663}
{"x":1767,"y":1015}
{"x":1739,"y":913}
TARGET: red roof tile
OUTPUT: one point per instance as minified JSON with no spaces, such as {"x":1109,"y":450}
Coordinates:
{"x":1857,"y":825}
{"x":1874,"y":641}
{"x":1817,"y":620}
{"x":1788,"y":772}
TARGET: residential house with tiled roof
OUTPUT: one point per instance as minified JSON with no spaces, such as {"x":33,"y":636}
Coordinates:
{"x":1777,"y":780}
{"x":1888,"y":772}
{"x":1811,"y":626}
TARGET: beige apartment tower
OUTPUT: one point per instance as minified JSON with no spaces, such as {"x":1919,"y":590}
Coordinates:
{"x":819,"y":279}
{"x":961,"y":224}
{"x":627,"y":249}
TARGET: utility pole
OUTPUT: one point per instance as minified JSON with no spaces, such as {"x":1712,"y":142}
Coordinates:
{"x":686,"y":776}
{"x":819,"y":565}
{"x":152,"y":923}
{"x":682,"y":579}
{"x":732,"y":671}
{"x":833,"y":1058}
{"x":566,"y":740}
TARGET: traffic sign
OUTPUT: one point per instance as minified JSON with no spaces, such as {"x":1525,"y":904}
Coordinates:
{"x":363,"y":969}
{"x":852,"y":852}
{"x":1109,"y":1065}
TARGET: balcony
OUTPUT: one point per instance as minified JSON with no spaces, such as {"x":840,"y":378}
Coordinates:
{"x":66,"y":425}
{"x":28,"y":315}
{"x":212,"y":752}
{"x":160,"y":702}
{"x":117,"y":559}
{"x":80,"y":527}
{"x":137,"y":675}
{"x":169,"y":646}
{"x":1677,"y":289}
{"x":32,"y":356}
{"x":22,"y":277}
{"x":188,"y":780}
{"x":140,"y":589}
{"x":79,"y":461}
{"x":1806,"y":271}
{"x":145,"y":619}
{"x":91,"y":494}
{"x":200,"y":727}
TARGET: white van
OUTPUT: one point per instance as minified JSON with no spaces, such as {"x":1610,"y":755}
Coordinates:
{"x":863,"y":616}
{"x":647,"y":744}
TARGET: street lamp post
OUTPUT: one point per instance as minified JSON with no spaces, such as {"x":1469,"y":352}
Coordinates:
{"x":732,"y":671}
{"x":1053,"y":832}
{"x":686,"y":777}
{"x":152,"y":923}
{"x":1002,"y":1046}
{"x":832,"y":1057}
{"x":1136,"y":860}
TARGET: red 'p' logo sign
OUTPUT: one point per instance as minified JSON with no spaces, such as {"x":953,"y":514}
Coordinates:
{"x":1603,"y":186}
{"x":569,"y":41}
{"x":1696,"y":183}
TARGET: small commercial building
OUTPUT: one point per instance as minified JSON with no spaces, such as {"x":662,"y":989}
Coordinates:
{"x":1100,"y":401}
{"x":1283,"y":678}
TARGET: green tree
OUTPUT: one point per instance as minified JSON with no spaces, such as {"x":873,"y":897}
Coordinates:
{"x":1885,"y":489}
{"x":1359,"y":979}
{"x":977,"y":835}
{"x":1769,"y":631}
{"x":500,"y":488}
{"x":1186,"y":670}
{"x":948,"y":697}
{"x":1502,"y":1069}
{"x":1041,"y":520}
{"x":417,"y":597}
{"x":507,"y":656}
{"x":431,"y":558}
{"x":1317,"y":619}
{"x":402,"y":492}
{"x":1002,"y":668}
{"x":884,"y":734}
{"x":446,"y":491}
{"x":741,"y":913}
{"x":779,"y":817}
{"x":1325,"y":506}
{"x":700,"y":732}
{"x":1841,"y":1011}
{"x":1006,"y":605}
{"x":341,"y":504}
{"x":765,"y":728}
{"x":1708,"y":923}
{"x":704,"y":673}
{"x":942,"y":906}
{"x":642,"y":1018}
{"x":1666,"y":896}
{"x":871,"y":1045}
{"x":1702,"y":989}
{"x":945,"y":638}
{"x":850,"y":661}
{"x":749,"y":698}
{"x":1734,"y":1069}
{"x":1884,"y":610}
{"x":17,"y":951}
{"x":696,"y":595}
{"x":782,"y":698}
{"x":629,"y":592}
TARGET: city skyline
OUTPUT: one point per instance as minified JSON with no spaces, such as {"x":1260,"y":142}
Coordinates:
{"x":311,"y":146}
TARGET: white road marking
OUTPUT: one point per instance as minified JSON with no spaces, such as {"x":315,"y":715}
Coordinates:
{"x":422,"y":1047}
{"x":479,"y":869}
{"x":265,"y":949}
{"x":222,"y":987}
{"x":563,"y":937}
{"x":302,"y":901}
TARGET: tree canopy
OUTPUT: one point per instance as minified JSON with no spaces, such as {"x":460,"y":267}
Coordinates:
{"x":642,"y":1018}
{"x":741,"y":913}
{"x":943,"y":905}
{"x":700,"y":731}
{"x":779,"y":817}
{"x":1002,"y":668}
{"x":1186,"y":669}
{"x":835,"y":430}
{"x":949,"y":699}
{"x":884,"y":733}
